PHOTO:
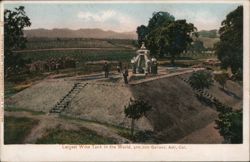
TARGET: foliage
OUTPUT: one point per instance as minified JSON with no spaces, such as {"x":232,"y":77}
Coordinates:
{"x":230,"y":125}
{"x":16,"y":129}
{"x":201,"y":80}
{"x":142,"y":32}
{"x":160,"y":19}
{"x":166,"y":36}
{"x":14,"y":23}
{"x":135,"y":110}
{"x":230,"y":47}
{"x":176,"y":37}
{"x":82,"y":136}
{"x":221,"y":79}
{"x":196,"y":46}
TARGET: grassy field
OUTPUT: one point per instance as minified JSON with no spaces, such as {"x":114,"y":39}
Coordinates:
{"x":82,"y":55}
{"x":45,"y":43}
{"x":16,"y":129}
{"x":123,"y":50}
{"x":83,"y":136}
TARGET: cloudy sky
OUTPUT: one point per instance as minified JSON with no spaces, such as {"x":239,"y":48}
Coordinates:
{"x":121,"y":17}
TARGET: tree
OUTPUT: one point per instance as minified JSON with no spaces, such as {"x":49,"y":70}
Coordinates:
{"x":14,"y":23}
{"x":230,"y":125}
{"x":154,"y":40}
{"x":160,"y":19}
{"x":177,"y":37}
{"x":165,"y":36}
{"x":142,"y":32}
{"x":230,"y":48}
{"x":196,"y":46}
{"x":201,"y":80}
{"x":135,"y":110}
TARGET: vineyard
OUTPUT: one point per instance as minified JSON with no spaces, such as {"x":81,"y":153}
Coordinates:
{"x":81,"y":55}
{"x":88,"y":49}
{"x":46,"y":43}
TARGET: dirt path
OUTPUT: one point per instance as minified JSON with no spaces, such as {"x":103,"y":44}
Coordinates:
{"x":52,"y":121}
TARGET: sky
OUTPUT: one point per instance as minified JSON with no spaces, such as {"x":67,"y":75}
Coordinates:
{"x":121,"y":17}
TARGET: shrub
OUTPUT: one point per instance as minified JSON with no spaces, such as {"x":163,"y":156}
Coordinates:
{"x":201,"y":80}
{"x":230,"y":126}
{"x":135,"y":110}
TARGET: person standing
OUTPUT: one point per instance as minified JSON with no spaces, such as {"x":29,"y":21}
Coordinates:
{"x":125,"y":75}
{"x":106,"y":70}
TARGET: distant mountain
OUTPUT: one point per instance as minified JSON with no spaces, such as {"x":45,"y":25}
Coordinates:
{"x":81,"y":33}
{"x":209,"y":33}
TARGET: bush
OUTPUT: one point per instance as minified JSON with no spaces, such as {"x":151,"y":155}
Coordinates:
{"x":230,"y":126}
{"x":201,"y":80}
{"x":135,"y":110}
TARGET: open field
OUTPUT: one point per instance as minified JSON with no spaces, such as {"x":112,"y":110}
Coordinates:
{"x":45,"y":43}
{"x":84,"y":49}
{"x":82,"y":55}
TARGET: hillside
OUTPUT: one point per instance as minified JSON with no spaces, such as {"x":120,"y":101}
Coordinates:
{"x":209,"y":37}
{"x":176,"y":112}
{"x":209,"y":33}
{"x":81,"y":33}
{"x":208,"y":42}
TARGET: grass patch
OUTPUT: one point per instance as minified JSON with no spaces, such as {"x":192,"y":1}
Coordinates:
{"x":16,"y":129}
{"x":139,"y":136}
{"x":82,"y":136}
{"x":9,"y":89}
{"x":18,"y":82}
{"x":11,"y":108}
{"x":118,"y":128}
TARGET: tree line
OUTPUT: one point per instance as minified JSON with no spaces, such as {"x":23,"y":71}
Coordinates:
{"x":165,"y":36}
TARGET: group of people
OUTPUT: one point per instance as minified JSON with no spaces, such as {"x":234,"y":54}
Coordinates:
{"x":119,"y":70}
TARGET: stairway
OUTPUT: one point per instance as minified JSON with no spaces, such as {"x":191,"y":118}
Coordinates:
{"x":65,"y":101}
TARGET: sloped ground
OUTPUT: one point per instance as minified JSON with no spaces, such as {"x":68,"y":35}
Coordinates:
{"x":176,"y":113}
{"x":232,"y":95}
{"x":42,"y":96}
{"x":105,"y":103}
{"x":206,"y":135}
{"x":48,"y":122}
